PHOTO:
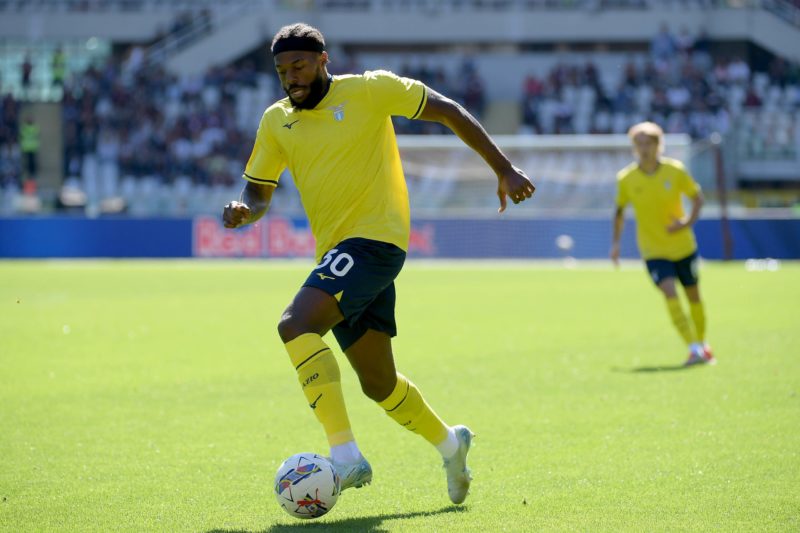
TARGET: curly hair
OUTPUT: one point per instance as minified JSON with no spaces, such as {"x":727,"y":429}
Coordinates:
{"x":298,"y":36}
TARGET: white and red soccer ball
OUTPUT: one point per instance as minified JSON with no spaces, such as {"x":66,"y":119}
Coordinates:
{"x":306,"y":485}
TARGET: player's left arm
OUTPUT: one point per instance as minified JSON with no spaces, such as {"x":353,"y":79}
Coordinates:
{"x":511,"y":181}
{"x":694,"y":214}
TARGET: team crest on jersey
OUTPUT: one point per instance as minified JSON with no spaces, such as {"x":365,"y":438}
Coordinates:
{"x":667,"y":184}
{"x":338,"y":111}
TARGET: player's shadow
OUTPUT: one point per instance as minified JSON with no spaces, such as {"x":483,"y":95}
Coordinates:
{"x":662,"y":368}
{"x":364,"y":524}
{"x":659,"y":368}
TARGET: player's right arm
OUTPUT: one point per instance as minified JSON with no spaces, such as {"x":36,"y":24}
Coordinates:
{"x":619,"y":222}
{"x":252,"y":205}
{"x":619,"y":219}
{"x":262,"y":173}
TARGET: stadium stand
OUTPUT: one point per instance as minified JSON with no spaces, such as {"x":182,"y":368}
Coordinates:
{"x":138,"y":133}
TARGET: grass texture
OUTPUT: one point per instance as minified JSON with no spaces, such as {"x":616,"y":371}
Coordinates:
{"x":156,"y":396}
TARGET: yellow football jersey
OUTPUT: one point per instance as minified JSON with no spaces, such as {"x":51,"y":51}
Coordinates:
{"x":656,"y":200}
{"x":343,"y":157}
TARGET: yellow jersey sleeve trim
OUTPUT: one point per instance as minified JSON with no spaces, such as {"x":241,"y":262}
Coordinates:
{"x":422,"y":102}
{"x":273,"y":183}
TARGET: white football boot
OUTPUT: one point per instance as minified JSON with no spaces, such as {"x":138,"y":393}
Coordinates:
{"x":458,"y":475}
{"x":355,"y":474}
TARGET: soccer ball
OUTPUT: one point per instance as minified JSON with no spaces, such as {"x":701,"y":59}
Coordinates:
{"x":306,"y":485}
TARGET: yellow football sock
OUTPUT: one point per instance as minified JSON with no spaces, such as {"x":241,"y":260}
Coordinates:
{"x":320,"y":378}
{"x":409,"y":409}
{"x":680,"y":321}
{"x":698,"y":312}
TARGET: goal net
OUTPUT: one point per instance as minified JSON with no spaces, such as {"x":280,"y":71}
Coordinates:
{"x":574,"y":174}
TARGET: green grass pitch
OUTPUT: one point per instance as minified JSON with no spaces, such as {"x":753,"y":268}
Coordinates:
{"x":156,"y":396}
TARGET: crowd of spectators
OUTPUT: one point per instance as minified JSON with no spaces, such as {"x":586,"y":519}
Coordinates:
{"x":125,"y":119}
{"x":502,"y":5}
{"x":679,"y":85}
{"x":10,"y":153}
{"x":128,"y":120}
{"x":105,"y":6}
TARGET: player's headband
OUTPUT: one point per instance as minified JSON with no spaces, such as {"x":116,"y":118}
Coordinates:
{"x":297,"y":44}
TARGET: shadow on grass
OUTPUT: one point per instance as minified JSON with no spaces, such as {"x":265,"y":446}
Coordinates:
{"x":662,"y":368}
{"x":659,"y":368}
{"x":365,"y":524}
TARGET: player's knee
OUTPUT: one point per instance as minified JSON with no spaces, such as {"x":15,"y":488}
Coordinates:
{"x":289,"y":328}
{"x":375,"y":391}
{"x":668,"y":290}
{"x":293,"y":325}
{"x":377,"y":387}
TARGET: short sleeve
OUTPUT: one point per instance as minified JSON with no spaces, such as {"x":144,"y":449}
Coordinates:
{"x":267,"y":161}
{"x":689,"y":187}
{"x":686,"y":183}
{"x":395,"y":95}
{"x":622,"y":193}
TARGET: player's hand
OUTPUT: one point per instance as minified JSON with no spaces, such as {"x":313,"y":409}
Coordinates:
{"x":235,"y":214}
{"x":614,"y":254}
{"x":677,"y":225}
{"x":513,"y":184}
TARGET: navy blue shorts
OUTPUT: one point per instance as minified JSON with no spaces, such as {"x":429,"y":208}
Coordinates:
{"x":686,"y":270}
{"x":360,"y":274}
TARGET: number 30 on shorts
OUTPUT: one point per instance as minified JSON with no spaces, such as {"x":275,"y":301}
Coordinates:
{"x":340,"y":264}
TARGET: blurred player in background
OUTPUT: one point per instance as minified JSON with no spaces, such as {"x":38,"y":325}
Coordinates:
{"x":654,"y":185}
{"x":335,"y":135}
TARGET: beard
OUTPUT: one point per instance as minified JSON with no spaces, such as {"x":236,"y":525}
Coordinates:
{"x":316,"y":92}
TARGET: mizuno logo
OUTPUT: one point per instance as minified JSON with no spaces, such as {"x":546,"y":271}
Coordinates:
{"x":289,"y":125}
{"x":313,"y":404}
{"x":323,"y":276}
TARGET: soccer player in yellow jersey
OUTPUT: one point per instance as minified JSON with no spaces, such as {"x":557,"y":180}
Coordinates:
{"x":335,"y":135}
{"x":655,"y":186}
